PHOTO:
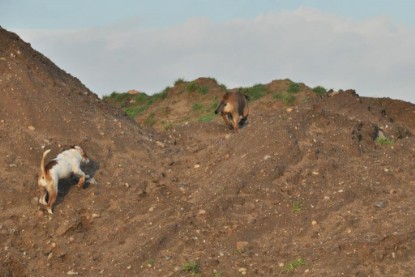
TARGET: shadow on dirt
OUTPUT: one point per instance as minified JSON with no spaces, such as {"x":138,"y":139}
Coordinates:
{"x":65,"y":184}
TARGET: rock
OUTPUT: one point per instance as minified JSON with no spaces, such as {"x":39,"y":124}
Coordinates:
{"x":242,"y":270}
{"x":202,"y":212}
{"x":66,"y":226}
{"x":31,"y":128}
{"x":71,"y":272}
{"x":380,"y":204}
{"x":313,"y":222}
{"x":392,"y":191}
{"x":159,"y":143}
{"x":133,"y":92}
{"x":241,"y":246}
{"x":266,"y":157}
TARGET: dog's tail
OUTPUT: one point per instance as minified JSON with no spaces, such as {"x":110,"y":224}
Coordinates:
{"x":42,"y":162}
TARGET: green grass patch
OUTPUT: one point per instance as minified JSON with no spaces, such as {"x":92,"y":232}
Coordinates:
{"x":206,"y":118}
{"x":319,"y":90}
{"x":122,"y":100}
{"x":214,"y":103}
{"x":203,"y":90}
{"x":297,"y":206}
{"x":197,"y":106}
{"x":150,"y":262}
{"x":293,"y":265}
{"x":134,"y":105}
{"x":384,"y":141}
{"x":191,"y":267}
{"x":150,"y":120}
{"x":191,"y":87}
{"x":179,"y":81}
{"x":134,"y":111}
{"x":167,"y":126}
{"x":293,"y":88}
{"x":117,"y":96}
{"x":287,"y":98}
{"x":255,"y":92}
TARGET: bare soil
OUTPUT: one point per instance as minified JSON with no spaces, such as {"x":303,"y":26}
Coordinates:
{"x":306,"y":190}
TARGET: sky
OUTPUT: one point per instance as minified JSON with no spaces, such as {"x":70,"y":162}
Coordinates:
{"x":366,"y":45}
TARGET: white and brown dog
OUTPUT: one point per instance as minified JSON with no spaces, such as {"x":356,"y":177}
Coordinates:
{"x":63,"y":166}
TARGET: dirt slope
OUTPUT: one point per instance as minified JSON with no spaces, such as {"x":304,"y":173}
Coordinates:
{"x":43,"y":107}
{"x":299,"y":191}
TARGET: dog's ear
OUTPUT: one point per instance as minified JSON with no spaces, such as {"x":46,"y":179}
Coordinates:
{"x":77,"y":148}
{"x":80,"y":150}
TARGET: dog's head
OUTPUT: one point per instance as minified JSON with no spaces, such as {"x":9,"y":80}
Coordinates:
{"x":85,"y":158}
{"x":223,"y":103}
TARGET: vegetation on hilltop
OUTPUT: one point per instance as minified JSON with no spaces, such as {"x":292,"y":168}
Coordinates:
{"x":197,"y":99}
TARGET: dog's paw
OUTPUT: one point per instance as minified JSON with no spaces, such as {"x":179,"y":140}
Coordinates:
{"x":42,"y":201}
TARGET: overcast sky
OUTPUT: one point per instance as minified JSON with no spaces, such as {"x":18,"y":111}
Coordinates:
{"x":367,"y":45}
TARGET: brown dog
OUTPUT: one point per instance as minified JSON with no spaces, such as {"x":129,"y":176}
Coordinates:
{"x":233,"y":106}
{"x":64,"y":165}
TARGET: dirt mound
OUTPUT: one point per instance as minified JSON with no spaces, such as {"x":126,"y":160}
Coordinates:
{"x":43,"y":107}
{"x":195,"y":101}
{"x":313,"y":185}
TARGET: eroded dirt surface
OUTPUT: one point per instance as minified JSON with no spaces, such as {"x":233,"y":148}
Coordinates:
{"x":301,"y":191}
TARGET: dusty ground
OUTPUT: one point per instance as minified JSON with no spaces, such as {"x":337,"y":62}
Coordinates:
{"x":305,"y":191}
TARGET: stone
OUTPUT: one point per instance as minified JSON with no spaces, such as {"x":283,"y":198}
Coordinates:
{"x":202,"y":212}
{"x":380,"y":204}
{"x":241,"y":246}
{"x":160,"y":144}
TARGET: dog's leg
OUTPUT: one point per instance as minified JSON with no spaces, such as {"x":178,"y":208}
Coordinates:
{"x":52,"y":198}
{"x":81,"y":182}
{"x":226,"y":119}
{"x":42,"y":195}
{"x":82,"y":177}
{"x":242,"y":122}
{"x":235,"y":119}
